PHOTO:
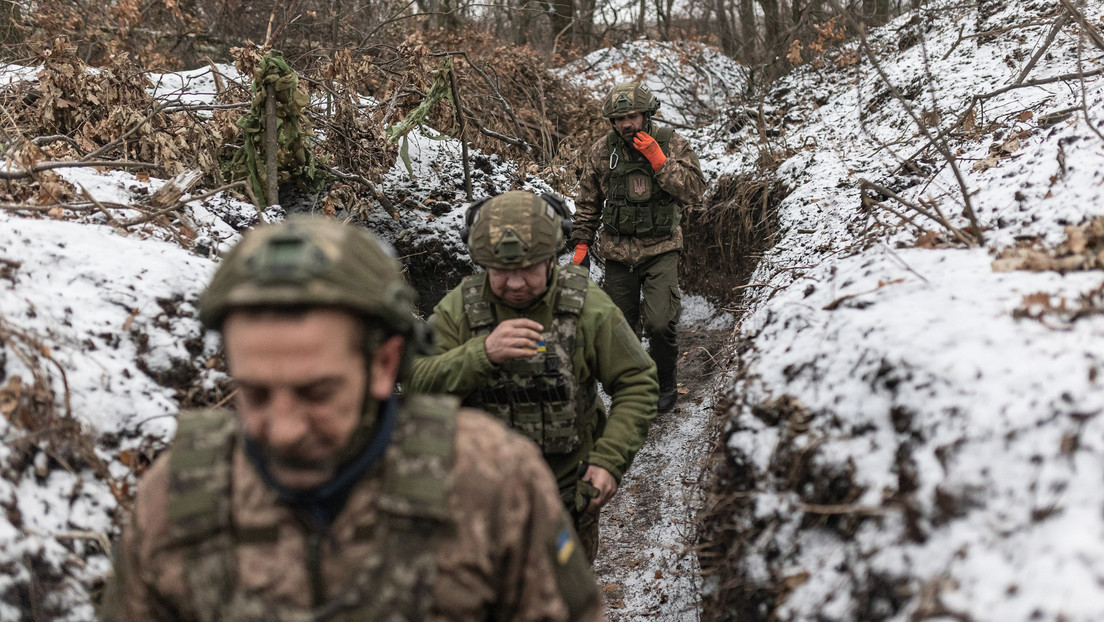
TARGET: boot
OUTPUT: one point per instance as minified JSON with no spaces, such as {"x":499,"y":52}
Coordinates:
{"x":668,"y":392}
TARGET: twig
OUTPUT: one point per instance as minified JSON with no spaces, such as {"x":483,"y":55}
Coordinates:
{"x":939,"y":145}
{"x":1084,"y":98}
{"x":458,"y":109}
{"x":197,"y":107}
{"x":1089,"y":29}
{"x":1040,"y":82}
{"x":46,"y":166}
{"x":100,"y":208}
{"x":842,"y":508}
{"x":1054,"y":30}
{"x":498,"y":95}
{"x":380,"y":197}
{"x":39,"y":141}
{"x":938,"y":219}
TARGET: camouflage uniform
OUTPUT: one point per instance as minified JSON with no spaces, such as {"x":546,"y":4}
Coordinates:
{"x":605,"y":350}
{"x":641,"y":265}
{"x":506,"y":558}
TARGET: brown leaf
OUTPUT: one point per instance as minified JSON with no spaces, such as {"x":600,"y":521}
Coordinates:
{"x":1026,"y":115}
{"x":142,"y":176}
{"x":10,"y":396}
{"x":55,"y":213}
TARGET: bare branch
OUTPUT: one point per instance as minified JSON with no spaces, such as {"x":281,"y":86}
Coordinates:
{"x":46,"y":166}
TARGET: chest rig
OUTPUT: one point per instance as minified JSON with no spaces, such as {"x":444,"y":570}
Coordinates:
{"x":635,"y":205}
{"x":537,"y":396}
{"x":394,"y":583}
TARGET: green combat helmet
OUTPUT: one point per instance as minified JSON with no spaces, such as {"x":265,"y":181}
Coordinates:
{"x":310,"y":262}
{"x":627,"y":98}
{"x":515,"y":230}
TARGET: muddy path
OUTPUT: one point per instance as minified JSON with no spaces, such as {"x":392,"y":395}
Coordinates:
{"x":647,"y":566}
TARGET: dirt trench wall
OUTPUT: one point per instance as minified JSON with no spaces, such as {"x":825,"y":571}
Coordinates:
{"x":726,"y":237}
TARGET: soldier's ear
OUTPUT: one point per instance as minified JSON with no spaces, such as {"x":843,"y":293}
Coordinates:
{"x":383,"y":371}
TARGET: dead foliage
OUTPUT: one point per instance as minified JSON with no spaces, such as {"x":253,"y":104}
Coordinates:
{"x":1082,"y":250}
{"x":513,"y":104}
{"x":725,"y":239}
{"x":90,"y":110}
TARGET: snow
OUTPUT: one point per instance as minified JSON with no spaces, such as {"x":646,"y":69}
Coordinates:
{"x":970,"y":430}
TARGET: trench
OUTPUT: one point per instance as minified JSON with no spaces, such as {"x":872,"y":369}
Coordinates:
{"x":650,"y":562}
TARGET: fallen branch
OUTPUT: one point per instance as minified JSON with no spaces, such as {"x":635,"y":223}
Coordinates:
{"x":1089,"y":29}
{"x":388,"y":206}
{"x":46,"y":166}
{"x":181,"y":203}
{"x":1054,"y":30}
{"x":937,"y":218}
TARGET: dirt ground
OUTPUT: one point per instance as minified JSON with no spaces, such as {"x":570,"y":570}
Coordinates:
{"x":647,"y":566}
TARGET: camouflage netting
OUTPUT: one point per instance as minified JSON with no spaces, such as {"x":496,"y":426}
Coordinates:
{"x":294,"y":160}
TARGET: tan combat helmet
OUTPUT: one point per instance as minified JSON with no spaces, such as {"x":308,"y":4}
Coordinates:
{"x":310,"y":261}
{"x":515,"y":230}
{"x":627,"y":98}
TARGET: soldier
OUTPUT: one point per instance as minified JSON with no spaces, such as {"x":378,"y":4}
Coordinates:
{"x":529,"y":341}
{"x":327,"y":497}
{"x":636,"y":182}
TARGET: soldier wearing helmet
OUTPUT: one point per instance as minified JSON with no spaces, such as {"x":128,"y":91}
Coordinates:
{"x":529,"y":341}
{"x":636,"y":182}
{"x":325,"y":496}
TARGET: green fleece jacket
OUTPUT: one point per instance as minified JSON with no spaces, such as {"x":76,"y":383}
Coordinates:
{"x":606,"y":351}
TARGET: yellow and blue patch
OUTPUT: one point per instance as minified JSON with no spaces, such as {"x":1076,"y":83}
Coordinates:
{"x":565,"y":546}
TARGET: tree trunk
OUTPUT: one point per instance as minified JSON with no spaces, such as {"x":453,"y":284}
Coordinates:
{"x":772,"y":30}
{"x":749,"y":32}
{"x":724,"y":27}
{"x":562,"y":17}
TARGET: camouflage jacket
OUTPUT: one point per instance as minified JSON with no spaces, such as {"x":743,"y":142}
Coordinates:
{"x":606,"y":351}
{"x":506,"y":556}
{"x":680,"y":176}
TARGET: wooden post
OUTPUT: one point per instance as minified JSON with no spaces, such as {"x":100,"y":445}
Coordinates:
{"x":463,"y":143}
{"x":271,"y":146}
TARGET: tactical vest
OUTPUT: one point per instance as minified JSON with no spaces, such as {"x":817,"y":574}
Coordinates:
{"x":395,"y":583}
{"x":537,"y":396}
{"x":635,"y":204}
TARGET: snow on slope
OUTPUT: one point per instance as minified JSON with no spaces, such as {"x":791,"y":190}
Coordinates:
{"x":916,"y":444}
{"x":692,"y":80}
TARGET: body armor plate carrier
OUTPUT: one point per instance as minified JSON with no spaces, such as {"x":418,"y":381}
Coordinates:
{"x":635,"y":204}
{"x":394,"y":584}
{"x":537,"y":396}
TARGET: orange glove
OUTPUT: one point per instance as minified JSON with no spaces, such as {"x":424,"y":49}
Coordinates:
{"x":580,"y":254}
{"x":647,"y":145}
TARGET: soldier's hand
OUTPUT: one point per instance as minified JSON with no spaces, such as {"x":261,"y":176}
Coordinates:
{"x":581,"y":256}
{"x":648,"y":146}
{"x":513,"y":339}
{"x":605,"y":483}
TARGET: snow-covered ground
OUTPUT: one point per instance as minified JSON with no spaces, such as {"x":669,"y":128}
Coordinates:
{"x":919,"y":433}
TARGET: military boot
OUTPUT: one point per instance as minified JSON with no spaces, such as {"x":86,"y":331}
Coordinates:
{"x":668,"y":392}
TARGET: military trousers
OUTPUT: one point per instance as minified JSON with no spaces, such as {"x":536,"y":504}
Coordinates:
{"x":648,"y":294}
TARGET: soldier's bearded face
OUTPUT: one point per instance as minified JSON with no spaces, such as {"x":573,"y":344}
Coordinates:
{"x":628,"y":125}
{"x":301,"y":384}
{"x":519,"y":288}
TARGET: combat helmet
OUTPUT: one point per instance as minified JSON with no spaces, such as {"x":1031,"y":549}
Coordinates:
{"x":515,"y":230}
{"x":310,"y":261}
{"x":627,"y":98}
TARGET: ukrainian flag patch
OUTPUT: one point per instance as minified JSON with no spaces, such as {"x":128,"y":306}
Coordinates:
{"x":565,"y":546}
